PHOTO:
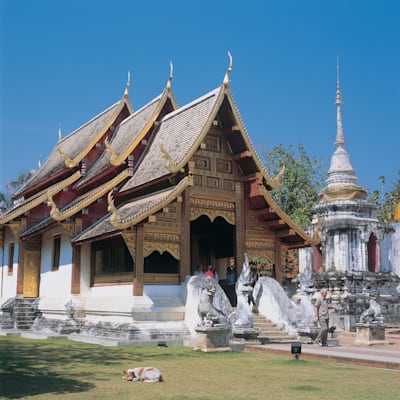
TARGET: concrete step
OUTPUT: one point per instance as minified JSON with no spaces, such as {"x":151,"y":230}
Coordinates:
{"x":269,"y":332}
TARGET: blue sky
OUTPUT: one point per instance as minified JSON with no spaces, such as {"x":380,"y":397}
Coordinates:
{"x":63,"y":62}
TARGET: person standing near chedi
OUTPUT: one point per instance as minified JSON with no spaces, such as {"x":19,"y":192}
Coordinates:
{"x":322,"y":317}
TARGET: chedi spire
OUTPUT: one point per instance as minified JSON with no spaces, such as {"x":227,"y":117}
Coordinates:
{"x":341,"y":181}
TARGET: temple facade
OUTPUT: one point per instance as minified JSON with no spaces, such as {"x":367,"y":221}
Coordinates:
{"x":103,"y":237}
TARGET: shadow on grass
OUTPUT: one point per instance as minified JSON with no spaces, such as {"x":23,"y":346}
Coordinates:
{"x":30,"y":367}
{"x":36,"y":382}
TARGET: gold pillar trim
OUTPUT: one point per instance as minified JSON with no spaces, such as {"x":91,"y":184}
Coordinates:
{"x":69,"y":228}
{"x":130,"y":241}
{"x":15,"y":229}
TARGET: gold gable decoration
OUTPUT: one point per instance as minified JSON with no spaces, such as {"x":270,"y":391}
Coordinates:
{"x":212,"y":209}
{"x":130,"y":241}
{"x":162,"y":242}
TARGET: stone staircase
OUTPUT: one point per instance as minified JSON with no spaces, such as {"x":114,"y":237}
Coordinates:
{"x":269,"y":332}
{"x":25,"y":312}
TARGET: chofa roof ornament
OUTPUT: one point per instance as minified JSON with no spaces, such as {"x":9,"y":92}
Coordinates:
{"x":228,"y":71}
{"x":171,"y":75}
{"x":128,"y":83}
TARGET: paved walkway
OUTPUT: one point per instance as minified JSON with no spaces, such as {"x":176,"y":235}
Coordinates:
{"x":379,"y":356}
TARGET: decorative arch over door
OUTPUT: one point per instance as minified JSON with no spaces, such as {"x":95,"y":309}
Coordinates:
{"x":372,"y":253}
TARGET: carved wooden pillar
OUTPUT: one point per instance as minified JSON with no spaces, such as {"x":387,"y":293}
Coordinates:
{"x":76,"y":270}
{"x":15,"y":231}
{"x":185,"y":236}
{"x":138,"y":274}
{"x":278,"y":262}
{"x":240,"y":240}
{"x":20,"y":274}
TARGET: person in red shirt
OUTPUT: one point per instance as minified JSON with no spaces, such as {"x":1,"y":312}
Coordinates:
{"x":210,"y":272}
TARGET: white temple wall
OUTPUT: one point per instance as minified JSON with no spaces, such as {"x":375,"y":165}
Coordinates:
{"x":8,"y":281}
{"x":56,"y":283}
{"x":85,"y":270}
{"x":394,"y":253}
{"x":385,"y":245}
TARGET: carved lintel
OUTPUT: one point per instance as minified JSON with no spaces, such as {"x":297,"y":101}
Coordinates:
{"x":212,"y":209}
{"x":228,"y":216}
{"x":259,"y":245}
{"x":161,"y":247}
{"x":162,"y":242}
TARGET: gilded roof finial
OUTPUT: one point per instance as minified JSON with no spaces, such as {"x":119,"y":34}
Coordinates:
{"x":338,"y":95}
{"x":128,"y":83}
{"x":171,"y":75}
{"x":228,"y":71}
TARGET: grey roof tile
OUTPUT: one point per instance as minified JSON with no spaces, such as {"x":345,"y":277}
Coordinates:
{"x":71,"y":145}
{"x":133,"y":208}
{"x":178,"y":132}
{"x":124,"y":135}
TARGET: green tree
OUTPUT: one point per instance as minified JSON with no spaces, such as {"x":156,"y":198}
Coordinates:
{"x":13,"y":187}
{"x":386,"y":201}
{"x":303,"y":179}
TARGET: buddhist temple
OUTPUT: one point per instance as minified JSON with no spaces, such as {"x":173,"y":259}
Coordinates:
{"x":126,"y":207}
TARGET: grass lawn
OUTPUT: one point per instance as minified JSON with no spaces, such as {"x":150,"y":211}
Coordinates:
{"x":62,"y":369}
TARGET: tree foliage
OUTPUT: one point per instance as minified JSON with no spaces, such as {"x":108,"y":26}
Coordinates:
{"x":303,"y":180}
{"x":13,"y":187}
{"x":387,"y":201}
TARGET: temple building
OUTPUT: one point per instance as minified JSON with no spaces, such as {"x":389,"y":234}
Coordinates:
{"x":103,"y":237}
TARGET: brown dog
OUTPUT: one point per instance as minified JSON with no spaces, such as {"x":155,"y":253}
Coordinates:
{"x":145,"y":374}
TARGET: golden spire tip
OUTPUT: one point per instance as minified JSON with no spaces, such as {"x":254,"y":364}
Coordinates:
{"x":338,"y":95}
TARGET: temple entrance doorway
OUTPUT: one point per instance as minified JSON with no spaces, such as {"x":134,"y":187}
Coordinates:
{"x":212,"y":243}
{"x":372,"y":253}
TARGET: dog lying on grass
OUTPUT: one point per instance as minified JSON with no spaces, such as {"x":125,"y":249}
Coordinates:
{"x":144,"y":374}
